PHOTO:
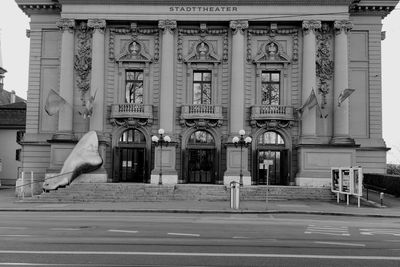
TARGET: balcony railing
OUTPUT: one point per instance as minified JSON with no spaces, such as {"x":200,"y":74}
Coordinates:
{"x":211,"y":112}
{"x":129,"y":110}
{"x":272,"y":112}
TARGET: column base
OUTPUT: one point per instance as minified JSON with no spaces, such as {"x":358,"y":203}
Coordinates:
{"x":64,"y":136}
{"x":229,"y":179}
{"x":343,"y":140}
{"x":168,"y":179}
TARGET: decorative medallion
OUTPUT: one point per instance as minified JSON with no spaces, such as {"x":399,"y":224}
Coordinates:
{"x":202,"y":51}
{"x":272,"y":32}
{"x":133,"y":51}
{"x":271,"y":52}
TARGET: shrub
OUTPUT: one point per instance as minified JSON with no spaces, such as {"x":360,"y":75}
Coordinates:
{"x":393,"y":169}
{"x":391,"y":183}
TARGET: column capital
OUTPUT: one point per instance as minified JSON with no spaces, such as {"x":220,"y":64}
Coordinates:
{"x":238,"y":25}
{"x":66,"y":24}
{"x":311,"y":25}
{"x":97,"y":24}
{"x":169,"y":25}
{"x":344,"y":26}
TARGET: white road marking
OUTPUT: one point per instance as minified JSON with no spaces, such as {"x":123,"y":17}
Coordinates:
{"x":327,"y":230}
{"x":197,"y":254}
{"x":340,"y":244}
{"x":123,"y":231}
{"x":13,"y":228}
{"x":239,"y":237}
{"x":380,"y":231}
{"x":183,"y":234}
{"x":65,"y":229}
{"x":14,"y":235}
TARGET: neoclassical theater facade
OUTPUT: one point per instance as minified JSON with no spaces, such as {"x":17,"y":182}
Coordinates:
{"x":301,"y":78}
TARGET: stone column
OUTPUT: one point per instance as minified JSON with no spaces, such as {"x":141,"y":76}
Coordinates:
{"x":167,"y":75}
{"x":341,"y":131}
{"x":237,"y":76}
{"x":97,"y":75}
{"x":65,"y":116}
{"x":309,"y":117}
{"x":167,"y":106}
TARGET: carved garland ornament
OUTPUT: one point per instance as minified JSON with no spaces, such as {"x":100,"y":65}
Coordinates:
{"x":203,"y":31}
{"x":325,"y":63}
{"x":272,"y":32}
{"x":83,"y":58}
{"x":134,"y":31}
{"x":272,"y":124}
{"x":201,"y":123}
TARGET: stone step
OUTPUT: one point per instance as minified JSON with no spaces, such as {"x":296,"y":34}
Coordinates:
{"x":111,"y":192}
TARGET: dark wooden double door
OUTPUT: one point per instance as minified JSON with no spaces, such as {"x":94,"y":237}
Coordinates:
{"x":131,"y":164}
{"x":201,"y":166}
{"x":277,"y":171}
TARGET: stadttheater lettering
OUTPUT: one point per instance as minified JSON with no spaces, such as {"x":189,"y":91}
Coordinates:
{"x":203,"y":9}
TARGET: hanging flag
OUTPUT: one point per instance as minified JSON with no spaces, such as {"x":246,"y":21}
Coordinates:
{"x":311,"y":102}
{"x":54,"y":103}
{"x":345,"y":94}
{"x":87,"y":110}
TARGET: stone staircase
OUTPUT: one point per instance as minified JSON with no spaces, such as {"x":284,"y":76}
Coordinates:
{"x":125,"y":192}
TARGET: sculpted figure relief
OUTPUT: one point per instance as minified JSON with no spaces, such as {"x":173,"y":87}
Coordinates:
{"x":83,"y":158}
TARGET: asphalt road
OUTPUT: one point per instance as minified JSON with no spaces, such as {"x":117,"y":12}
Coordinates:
{"x":156,"y":239}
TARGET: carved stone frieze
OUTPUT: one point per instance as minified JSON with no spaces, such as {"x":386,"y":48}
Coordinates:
{"x":134,"y":51}
{"x":131,"y":122}
{"x":239,"y":25}
{"x":167,"y":25}
{"x":97,"y":25}
{"x":272,"y":124}
{"x":311,"y":25}
{"x":66,"y":24}
{"x":201,"y":123}
{"x":83,"y":58}
{"x":325,"y":63}
{"x":343,"y":26}
{"x":271,"y":33}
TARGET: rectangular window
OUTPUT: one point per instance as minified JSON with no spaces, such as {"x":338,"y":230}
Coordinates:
{"x":202,"y":87}
{"x":134,"y":86}
{"x":270,"y":88}
{"x":18,"y":155}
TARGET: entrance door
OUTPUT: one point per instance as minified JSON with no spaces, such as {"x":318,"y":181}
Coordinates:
{"x":131,"y":158}
{"x":276,"y":171}
{"x":132,"y":165}
{"x":201,"y":166}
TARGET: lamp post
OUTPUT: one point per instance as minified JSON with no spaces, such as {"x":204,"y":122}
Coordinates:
{"x":242,"y":142}
{"x":161,"y":141}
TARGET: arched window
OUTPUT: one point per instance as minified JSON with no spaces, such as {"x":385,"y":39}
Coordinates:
{"x":132,"y":136}
{"x":270,"y":138}
{"x":201,"y":137}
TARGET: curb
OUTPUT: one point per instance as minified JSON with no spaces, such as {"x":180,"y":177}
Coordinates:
{"x":205,"y":212}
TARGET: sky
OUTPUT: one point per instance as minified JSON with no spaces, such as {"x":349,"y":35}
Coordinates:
{"x":15,"y":55}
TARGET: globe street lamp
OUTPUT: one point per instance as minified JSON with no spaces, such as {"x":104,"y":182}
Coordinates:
{"x":242,"y":142}
{"x":160,"y":141}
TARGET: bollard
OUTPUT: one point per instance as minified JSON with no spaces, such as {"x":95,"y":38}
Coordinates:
{"x":235,"y":195}
{"x":381,"y":197}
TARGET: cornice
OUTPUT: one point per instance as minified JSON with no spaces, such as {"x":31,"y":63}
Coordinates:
{"x":212,"y":2}
{"x":30,"y":7}
{"x":379,"y":8}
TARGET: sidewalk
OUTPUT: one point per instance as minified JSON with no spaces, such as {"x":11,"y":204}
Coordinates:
{"x":391,"y":208}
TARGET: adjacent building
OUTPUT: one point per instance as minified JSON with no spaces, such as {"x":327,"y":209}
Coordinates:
{"x":12,"y":128}
{"x":301,"y":78}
